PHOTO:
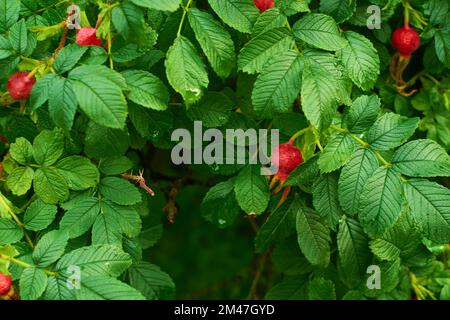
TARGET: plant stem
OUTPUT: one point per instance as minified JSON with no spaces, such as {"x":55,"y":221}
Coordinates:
{"x":16,"y":261}
{"x":299,"y":134}
{"x":62,"y":41}
{"x":363,"y":143}
{"x":258,"y":274}
{"x":21,"y":225}
{"x":24,"y":264}
{"x":53,"y":5}
{"x":183,"y":17}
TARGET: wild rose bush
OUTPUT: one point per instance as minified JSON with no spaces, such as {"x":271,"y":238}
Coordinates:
{"x":91,"y":205}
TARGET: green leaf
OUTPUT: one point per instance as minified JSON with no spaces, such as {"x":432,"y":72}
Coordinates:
{"x":119,"y":191}
{"x":39,"y":215}
{"x":340,"y":10}
{"x":214,"y":40}
{"x":149,"y":123}
{"x":268,"y":20}
{"x":106,"y":230}
{"x":32,"y":283}
{"x":115,"y":165}
{"x":337,"y":152}
{"x":354,"y":255}
{"x":437,"y":10}
{"x":62,"y":103}
{"x":336,"y":73}
{"x":68,"y":57}
{"x":78,"y":219}
{"x":361,"y":60}
{"x":278,"y":225}
{"x":146,"y":89}
{"x":106,"y":288}
{"x":166,"y":5}
{"x":288,"y":259}
{"x":10,"y":251}
{"x":213,"y":110}
{"x":185,"y":70}
{"x":318,"y":95}
{"x":102,"y":142}
{"x":238,"y":14}
{"x":50,"y":185}
{"x":252,"y":190}
{"x":41,"y":91}
{"x":18,"y":37}
{"x":442,"y":45}
{"x":58,"y":289}
{"x":278,"y":85}
{"x":389,"y":278}
{"x":401,"y":240}
{"x":258,"y":51}
{"x":128,"y":19}
{"x":79,"y":172}
{"x":20,"y":179}
{"x":50,"y":248}
{"x":219,"y":205}
{"x":9,"y":14}
{"x":381,"y":201}
{"x":99,"y":95}
{"x":422,"y":158}
{"x":151,"y":281}
{"x":103,"y":260}
{"x":304,"y":174}
{"x":5,"y":48}
{"x":10,"y":232}
{"x":126,"y":216}
{"x":48,"y":147}
{"x":321,"y":289}
{"x":445,"y":293}
{"x":320,"y":31}
{"x":391,"y":130}
{"x":430,"y":206}
{"x":290,"y":288}
{"x":313,"y":237}
{"x":291,"y":7}
{"x":362,"y":113}
{"x":21,"y":151}
{"x":325,"y":199}
{"x":354,"y":177}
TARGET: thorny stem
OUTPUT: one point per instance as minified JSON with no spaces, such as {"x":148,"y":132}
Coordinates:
{"x":183,"y":17}
{"x":62,"y":42}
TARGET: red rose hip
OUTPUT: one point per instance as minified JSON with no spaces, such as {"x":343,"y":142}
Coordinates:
{"x":5,"y":284}
{"x":406,"y":40}
{"x":263,"y":5}
{"x":20,"y":85}
{"x":286,"y":157}
{"x":87,"y":36}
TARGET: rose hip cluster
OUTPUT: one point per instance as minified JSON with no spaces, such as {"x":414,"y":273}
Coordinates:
{"x":20,"y":84}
